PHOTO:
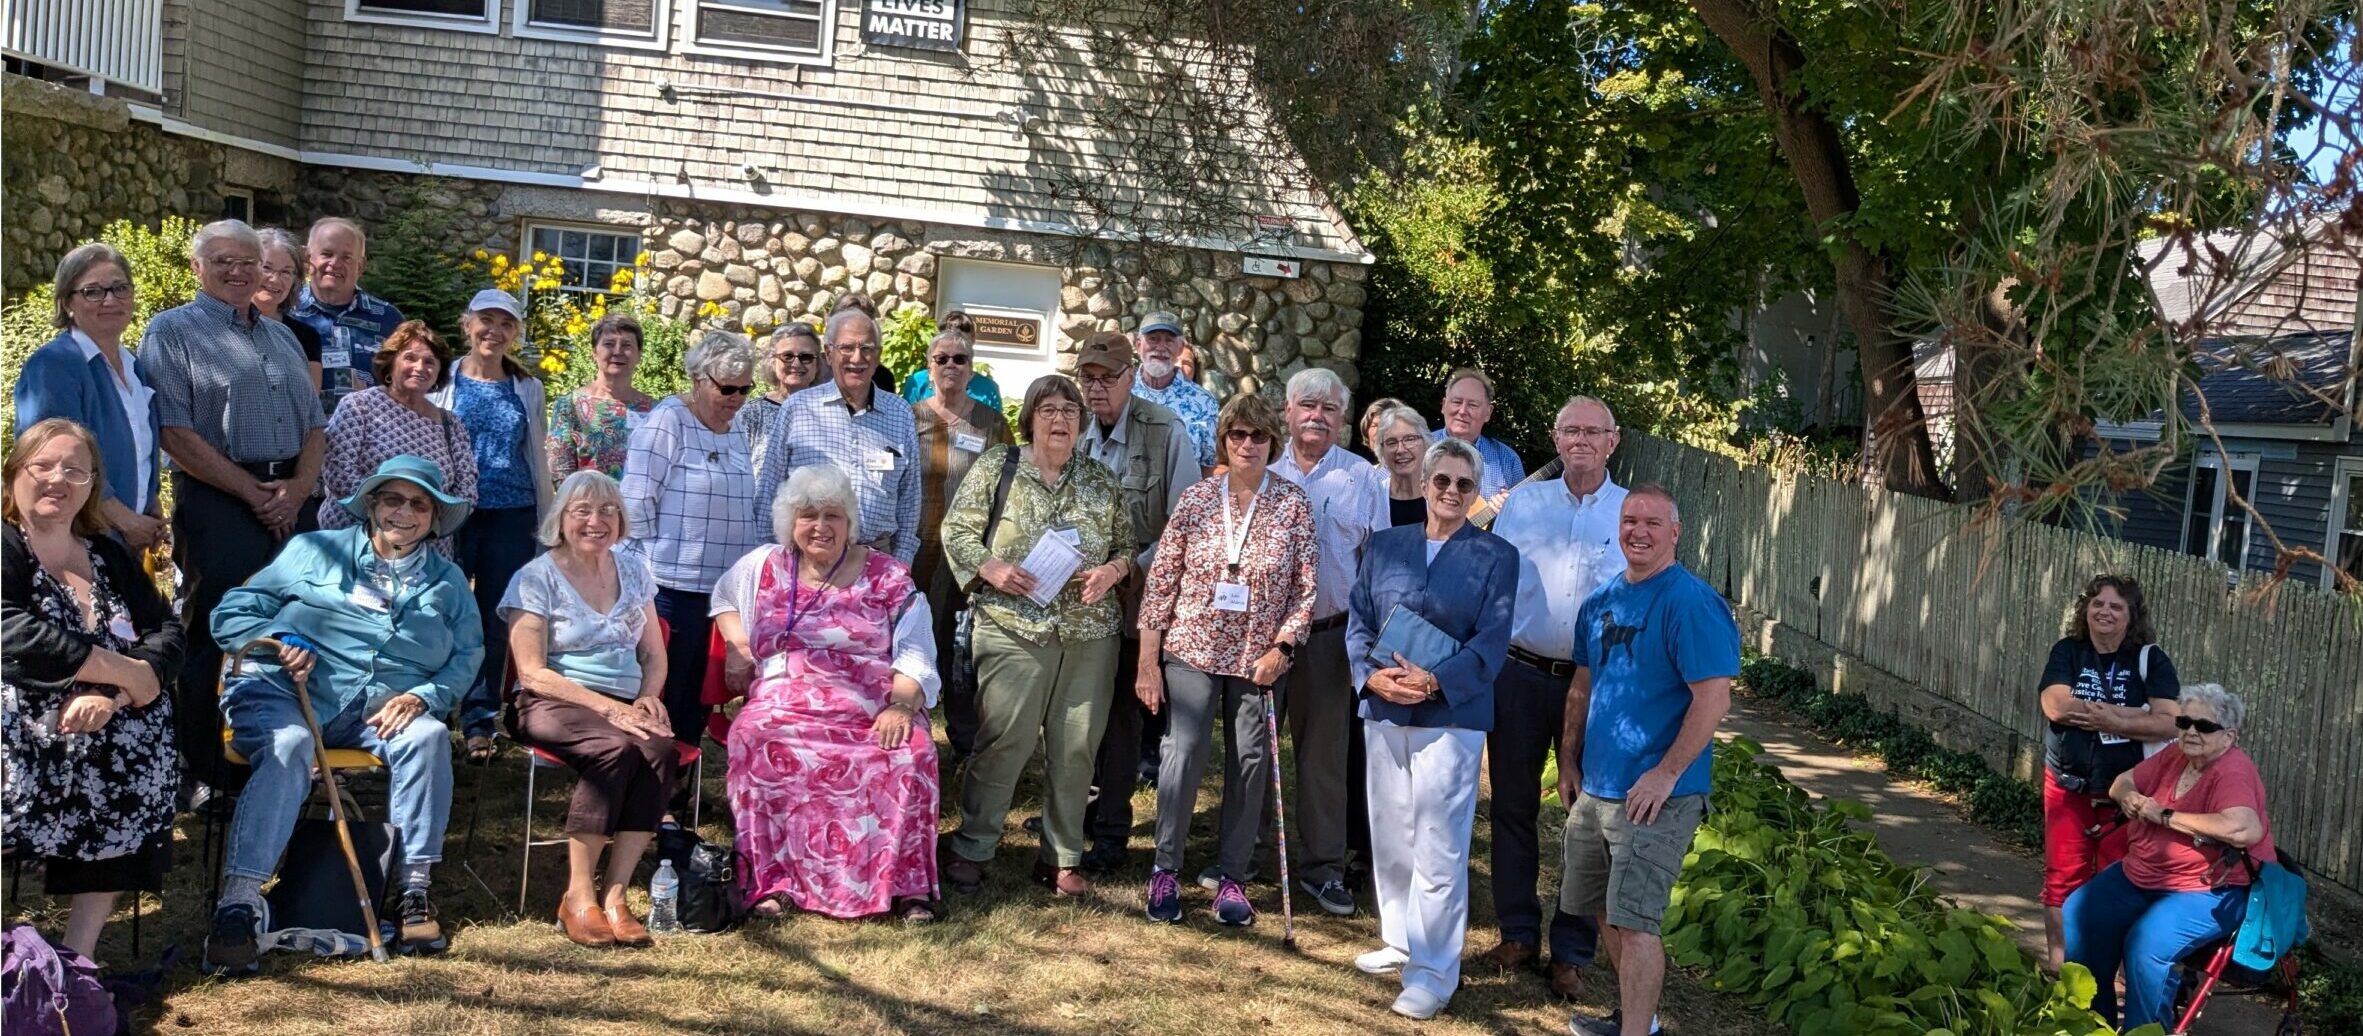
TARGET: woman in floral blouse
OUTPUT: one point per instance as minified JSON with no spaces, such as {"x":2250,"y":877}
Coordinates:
{"x":591,"y":427}
{"x":1042,"y":671}
{"x":394,"y":417}
{"x":1228,"y":600}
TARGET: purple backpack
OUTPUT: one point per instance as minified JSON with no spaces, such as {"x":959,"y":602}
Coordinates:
{"x":48,"y":990}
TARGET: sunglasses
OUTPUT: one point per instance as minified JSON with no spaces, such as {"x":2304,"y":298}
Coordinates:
{"x":949,"y":360}
{"x":2204,"y":726}
{"x":732,"y":390}
{"x":798,"y":358}
{"x":1449,"y":484}
{"x":1251,"y":435}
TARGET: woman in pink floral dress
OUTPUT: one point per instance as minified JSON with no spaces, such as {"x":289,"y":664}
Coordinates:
{"x":832,"y":772}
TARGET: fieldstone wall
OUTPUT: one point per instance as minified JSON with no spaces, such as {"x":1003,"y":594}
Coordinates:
{"x":76,"y":163}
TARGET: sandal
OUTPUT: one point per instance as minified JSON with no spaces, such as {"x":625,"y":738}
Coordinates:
{"x":915,"y":911}
{"x":480,"y":749}
{"x":770,"y":906}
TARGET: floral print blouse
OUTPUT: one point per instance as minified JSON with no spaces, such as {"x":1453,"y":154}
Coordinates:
{"x":592,"y":433}
{"x":1279,"y":564}
{"x":1086,"y":499}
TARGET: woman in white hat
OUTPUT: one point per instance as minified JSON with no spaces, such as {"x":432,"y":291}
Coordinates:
{"x":501,"y":404}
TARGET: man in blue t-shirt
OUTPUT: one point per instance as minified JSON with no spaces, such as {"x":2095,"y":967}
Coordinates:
{"x":1655,"y":652}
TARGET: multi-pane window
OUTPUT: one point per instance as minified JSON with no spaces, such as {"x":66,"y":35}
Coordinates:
{"x":2215,"y":519}
{"x":785,"y":26}
{"x":592,"y":256}
{"x":620,"y":17}
{"x":2346,"y":523}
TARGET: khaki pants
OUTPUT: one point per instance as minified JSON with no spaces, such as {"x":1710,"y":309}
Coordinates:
{"x":1056,"y":692}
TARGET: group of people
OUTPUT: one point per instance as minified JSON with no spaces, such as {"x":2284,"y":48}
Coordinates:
{"x":440,"y":552}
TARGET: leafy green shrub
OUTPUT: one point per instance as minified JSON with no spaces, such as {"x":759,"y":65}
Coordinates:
{"x":903,"y":338}
{"x":416,"y":260}
{"x":1783,"y":902}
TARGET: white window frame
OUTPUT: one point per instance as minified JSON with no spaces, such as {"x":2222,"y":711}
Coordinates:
{"x":2223,"y":465}
{"x":2345,"y":475}
{"x":692,"y":44}
{"x":523,"y":28}
{"x":525,"y":244}
{"x":245,"y":194}
{"x":488,"y":22}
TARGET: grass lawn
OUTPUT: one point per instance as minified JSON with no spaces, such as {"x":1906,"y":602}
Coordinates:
{"x":1008,"y":961}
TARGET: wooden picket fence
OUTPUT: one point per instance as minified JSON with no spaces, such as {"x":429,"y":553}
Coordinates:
{"x":1967,"y":610}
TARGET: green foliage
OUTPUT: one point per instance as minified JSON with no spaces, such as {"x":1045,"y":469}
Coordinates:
{"x":160,"y":274}
{"x":903,"y":338}
{"x":2330,"y":990}
{"x":417,"y":260}
{"x":664,"y":342}
{"x":2007,"y":804}
{"x":1786,"y":902}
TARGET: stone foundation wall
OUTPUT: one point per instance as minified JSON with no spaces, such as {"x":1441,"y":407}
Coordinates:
{"x":76,"y":163}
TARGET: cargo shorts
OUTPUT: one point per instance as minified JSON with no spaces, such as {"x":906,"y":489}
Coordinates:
{"x":1622,"y":869}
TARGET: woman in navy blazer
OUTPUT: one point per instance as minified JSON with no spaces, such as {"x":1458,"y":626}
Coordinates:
{"x":1424,"y":728}
{"x":84,"y":375}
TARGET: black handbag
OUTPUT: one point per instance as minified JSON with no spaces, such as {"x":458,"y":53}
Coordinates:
{"x":713,"y":894}
{"x":315,"y":888}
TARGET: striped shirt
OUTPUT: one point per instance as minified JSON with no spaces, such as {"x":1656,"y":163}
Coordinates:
{"x":689,"y":495}
{"x":878,"y":449}
{"x":236,"y":379}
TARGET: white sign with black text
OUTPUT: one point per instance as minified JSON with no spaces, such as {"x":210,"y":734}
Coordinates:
{"x":925,"y":24}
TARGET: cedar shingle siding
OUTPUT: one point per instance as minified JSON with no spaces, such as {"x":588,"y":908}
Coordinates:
{"x":244,"y":68}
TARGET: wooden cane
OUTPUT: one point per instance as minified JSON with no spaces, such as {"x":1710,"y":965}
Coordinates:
{"x":336,"y":818}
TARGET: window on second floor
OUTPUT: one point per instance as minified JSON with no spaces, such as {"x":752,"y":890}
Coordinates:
{"x":2215,"y":521}
{"x":468,"y":15}
{"x":609,"y":21}
{"x":774,"y":29}
{"x":2345,"y":546}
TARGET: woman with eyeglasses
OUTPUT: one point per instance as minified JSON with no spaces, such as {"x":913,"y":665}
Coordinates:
{"x":591,"y":427}
{"x":794,"y":361}
{"x":1398,"y":435}
{"x":1424,"y":725}
{"x":954,"y":430}
{"x":920,"y":387}
{"x":86,"y":376}
{"x":689,"y":498}
{"x":393,"y":417}
{"x":90,"y":645}
{"x":2107,"y":691}
{"x":1045,"y":656}
{"x":2192,"y":813}
{"x":276,"y":281}
{"x":1228,"y":600}
{"x":499,"y":401}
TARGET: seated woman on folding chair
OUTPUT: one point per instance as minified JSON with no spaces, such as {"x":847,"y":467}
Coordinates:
{"x":591,"y":667}
{"x":384,"y":636}
{"x":832,"y":773}
{"x":2181,"y":886}
{"x":89,"y":646}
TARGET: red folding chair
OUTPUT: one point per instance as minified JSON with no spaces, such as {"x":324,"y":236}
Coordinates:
{"x":717,"y":693}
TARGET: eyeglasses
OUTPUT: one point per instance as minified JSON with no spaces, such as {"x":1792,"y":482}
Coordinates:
{"x":869,"y":349}
{"x":279,"y":271}
{"x":1583,"y":431}
{"x":586,"y":512}
{"x":232,"y":265}
{"x":1252,"y":435}
{"x":1100,"y":380}
{"x":800,"y":359}
{"x":948,"y":360}
{"x":2204,"y":726}
{"x":46,"y":470}
{"x":732,"y":390}
{"x":1401,"y":441}
{"x":417,"y":504}
{"x":1062,"y":413}
{"x":99,"y":292}
{"x":1449,"y":484}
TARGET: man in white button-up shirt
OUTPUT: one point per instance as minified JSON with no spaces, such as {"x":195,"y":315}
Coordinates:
{"x":1320,"y":694}
{"x":1565,"y":531}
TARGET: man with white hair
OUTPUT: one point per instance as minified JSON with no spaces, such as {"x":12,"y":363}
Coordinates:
{"x":243,"y":426}
{"x":1321,"y":700}
{"x":870,"y":434}
{"x":1565,"y":531}
{"x":1161,"y":344}
{"x":351,"y":323}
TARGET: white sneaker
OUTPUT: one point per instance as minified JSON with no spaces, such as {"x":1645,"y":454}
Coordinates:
{"x":1386,"y":960}
{"x":1418,"y":1004}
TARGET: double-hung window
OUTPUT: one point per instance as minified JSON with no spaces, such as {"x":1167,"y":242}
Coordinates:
{"x":592,"y":255}
{"x":2345,"y":547}
{"x":764,"y":29}
{"x":2215,"y":519}
{"x":620,"y":22}
{"x":464,"y":15}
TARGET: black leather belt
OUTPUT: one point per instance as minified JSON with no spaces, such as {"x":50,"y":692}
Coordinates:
{"x":1330,"y":623}
{"x":268,"y":470}
{"x":1558,"y":667}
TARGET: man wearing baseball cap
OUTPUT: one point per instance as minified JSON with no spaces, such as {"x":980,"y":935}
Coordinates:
{"x":1149,"y":450}
{"x":1161,"y":342}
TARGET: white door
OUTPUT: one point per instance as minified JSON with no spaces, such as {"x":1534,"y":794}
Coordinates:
{"x":1016,"y":310}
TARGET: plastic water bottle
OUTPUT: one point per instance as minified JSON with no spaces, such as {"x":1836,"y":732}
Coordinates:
{"x":664,"y":892}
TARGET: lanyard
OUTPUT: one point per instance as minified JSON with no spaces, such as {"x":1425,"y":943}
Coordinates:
{"x":1235,"y":541}
{"x":795,"y":578}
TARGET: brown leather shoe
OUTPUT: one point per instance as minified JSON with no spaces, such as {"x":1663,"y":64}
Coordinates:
{"x":1567,"y":980}
{"x":627,"y":929}
{"x":584,"y":925}
{"x":1513,"y":955}
{"x":1064,"y":882}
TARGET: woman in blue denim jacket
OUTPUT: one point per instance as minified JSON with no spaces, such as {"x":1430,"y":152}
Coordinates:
{"x":386,"y":635}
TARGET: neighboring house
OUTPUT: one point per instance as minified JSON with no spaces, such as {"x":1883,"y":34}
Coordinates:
{"x":767,"y":155}
{"x":2278,"y":367}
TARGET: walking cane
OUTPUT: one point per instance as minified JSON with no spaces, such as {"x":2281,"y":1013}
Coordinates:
{"x":1279,"y":818}
{"x":336,"y":818}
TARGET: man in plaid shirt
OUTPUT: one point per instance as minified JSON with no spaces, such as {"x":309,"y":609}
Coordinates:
{"x":866,"y":433}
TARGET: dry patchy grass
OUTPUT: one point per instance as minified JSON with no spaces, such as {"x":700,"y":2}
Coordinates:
{"x":1008,"y":961}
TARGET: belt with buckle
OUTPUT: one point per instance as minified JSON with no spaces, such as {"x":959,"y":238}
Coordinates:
{"x":1330,"y":623}
{"x":1558,"y":667}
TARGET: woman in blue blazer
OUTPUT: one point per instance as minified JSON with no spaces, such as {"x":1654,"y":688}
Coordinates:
{"x":86,"y":376}
{"x":1425,"y":727}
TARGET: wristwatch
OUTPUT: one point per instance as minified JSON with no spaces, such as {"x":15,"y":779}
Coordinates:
{"x":2165,"y":817}
{"x":1286,"y":649}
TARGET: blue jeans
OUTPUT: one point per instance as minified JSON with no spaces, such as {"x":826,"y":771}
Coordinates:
{"x":2113,"y":923}
{"x":492,"y":545}
{"x":269,"y":732}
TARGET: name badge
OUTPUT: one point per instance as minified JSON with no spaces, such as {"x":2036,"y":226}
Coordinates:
{"x":1069,"y":533}
{"x":368,"y":597}
{"x":336,"y":357}
{"x":120,"y":626}
{"x":1230,"y":597}
{"x":774,"y":667}
{"x":970,"y":443}
{"x":883,"y":460}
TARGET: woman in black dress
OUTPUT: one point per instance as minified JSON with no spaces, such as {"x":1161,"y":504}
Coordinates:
{"x":89,"y":644}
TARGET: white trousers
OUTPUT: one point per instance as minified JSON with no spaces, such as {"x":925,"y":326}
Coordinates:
{"x":1423,"y":795}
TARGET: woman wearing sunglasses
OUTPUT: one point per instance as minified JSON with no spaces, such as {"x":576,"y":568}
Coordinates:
{"x":1229,"y":599}
{"x":1424,"y":726}
{"x":954,"y":429}
{"x":86,"y":376}
{"x":2191,"y":811}
{"x":689,"y":499}
{"x":792,"y":362}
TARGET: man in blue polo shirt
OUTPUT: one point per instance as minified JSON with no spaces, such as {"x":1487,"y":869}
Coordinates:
{"x":1655,"y":652}
{"x":350,"y":322}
